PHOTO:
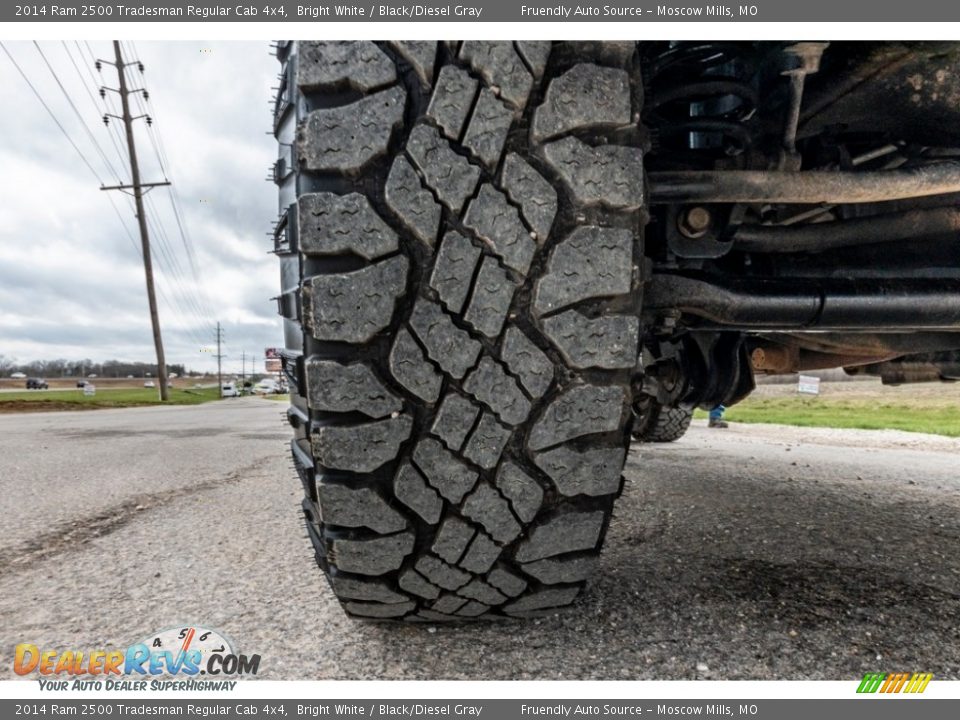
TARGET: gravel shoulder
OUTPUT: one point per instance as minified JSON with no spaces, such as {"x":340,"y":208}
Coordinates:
{"x":754,"y":553}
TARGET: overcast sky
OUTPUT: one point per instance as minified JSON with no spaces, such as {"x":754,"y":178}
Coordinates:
{"x":71,"y":279}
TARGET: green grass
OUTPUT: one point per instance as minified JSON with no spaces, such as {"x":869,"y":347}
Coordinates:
{"x":920,"y":415}
{"x":279,"y":398}
{"x":107,"y":398}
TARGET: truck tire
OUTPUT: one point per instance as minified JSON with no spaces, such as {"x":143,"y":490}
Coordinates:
{"x":460,"y":246}
{"x":664,"y":424}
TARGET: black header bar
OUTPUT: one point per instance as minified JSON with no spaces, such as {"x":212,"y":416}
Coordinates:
{"x":512,"y":11}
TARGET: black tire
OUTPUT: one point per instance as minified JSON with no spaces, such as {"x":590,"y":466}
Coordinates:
{"x":461,"y":283}
{"x":664,"y":424}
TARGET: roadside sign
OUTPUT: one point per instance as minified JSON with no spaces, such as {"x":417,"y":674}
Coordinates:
{"x":271,"y":353}
{"x":272,"y":365}
{"x":89,"y":389}
{"x":808,"y":385}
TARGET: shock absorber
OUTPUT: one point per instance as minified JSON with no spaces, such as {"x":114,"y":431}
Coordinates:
{"x":701,"y":98}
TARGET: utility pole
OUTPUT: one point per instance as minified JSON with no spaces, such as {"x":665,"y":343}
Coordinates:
{"x":243,"y":372}
{"x":219,"y":359}
{"x":138,"y":188}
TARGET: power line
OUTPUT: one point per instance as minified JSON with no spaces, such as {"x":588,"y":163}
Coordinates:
{"x":156,"y":141}
{"x":139,"y":251}
{"x":193,"y":302}
{"x":194,"y":337}
{"x":175,"y":202}
{"x":92,"y":96}
{"x":185,"y":302}
{"x":124,"y":224}
{"x":73,"y":106}
{"x":176,"y":272}
{"x":192,"y":298}
{"x":93,"y":101}
{"x":50,"y":112}
{"x":173,"y":264}
{"x":113,"y":128}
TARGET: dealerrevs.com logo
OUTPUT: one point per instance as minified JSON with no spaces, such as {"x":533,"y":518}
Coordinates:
{"x":188,"y":657}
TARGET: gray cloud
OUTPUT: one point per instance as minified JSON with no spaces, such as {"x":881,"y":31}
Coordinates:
{"x":71,"y":280}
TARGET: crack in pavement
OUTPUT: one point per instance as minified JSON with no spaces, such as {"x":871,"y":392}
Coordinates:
{"x":76,"y":534}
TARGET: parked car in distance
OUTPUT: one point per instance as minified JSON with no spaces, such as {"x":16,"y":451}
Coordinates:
{"x":149,"y":384}
{"x":267,"y":386}
{"x":18,"y":376}
{"x":229,"y":390}
{"x":37,"y":384}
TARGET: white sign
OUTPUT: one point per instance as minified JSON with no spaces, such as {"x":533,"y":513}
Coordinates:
{"x":89,"y":389}
{"x":808,"y":385}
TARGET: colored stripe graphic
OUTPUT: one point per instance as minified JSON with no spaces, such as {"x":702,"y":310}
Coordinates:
{"x":898,"y":682}
{"x":918,"y":683}
{"x":871,"y":682}
{"x":894,"y":682}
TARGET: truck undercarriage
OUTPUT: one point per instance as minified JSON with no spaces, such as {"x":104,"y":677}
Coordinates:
{"x":803,"y":214}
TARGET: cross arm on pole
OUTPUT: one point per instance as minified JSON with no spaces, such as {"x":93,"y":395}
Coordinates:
{"x":131,"y":187}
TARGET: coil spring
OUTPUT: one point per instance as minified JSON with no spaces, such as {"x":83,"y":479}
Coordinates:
{"x":700,"y":97}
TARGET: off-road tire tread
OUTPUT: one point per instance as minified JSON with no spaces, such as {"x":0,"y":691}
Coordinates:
{"x":665,"y":424}
{"x":467,"y":463}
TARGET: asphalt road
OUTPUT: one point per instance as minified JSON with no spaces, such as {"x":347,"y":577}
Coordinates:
{"x":755,"y":552}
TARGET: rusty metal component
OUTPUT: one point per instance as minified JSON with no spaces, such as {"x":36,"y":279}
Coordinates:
{"x":868,"y":344}
{"x":803,"y":58}
{"x":828,"y":361}
{"x":886,"y":59}
{"x":775,"y":359}
{"x":694,"y":222}
{"x":822,"y":304}
{"x":907,"y":89}
{"x":817,"y":237}
{"x":808,"y":187}
{"x":734,"y":154}
{"x":926,"y":367}
{"x":905,"y":375}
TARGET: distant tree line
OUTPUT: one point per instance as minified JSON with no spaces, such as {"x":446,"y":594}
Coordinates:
{"x":82,"y":368}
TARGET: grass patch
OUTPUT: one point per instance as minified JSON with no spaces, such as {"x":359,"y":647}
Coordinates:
{"x":923,"y":415}
{"x":28,"y":401}
{"x":278,"y":398}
